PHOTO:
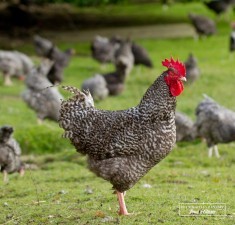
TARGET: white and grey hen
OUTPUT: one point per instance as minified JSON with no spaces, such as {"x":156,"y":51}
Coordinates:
{"x":14,"y":63}
{"x":43,"y":100}
{"x":215,"y":124}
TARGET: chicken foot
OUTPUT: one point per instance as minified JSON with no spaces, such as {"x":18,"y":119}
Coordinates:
{"x":122,"y":205}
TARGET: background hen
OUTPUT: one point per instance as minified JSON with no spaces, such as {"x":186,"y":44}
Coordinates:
{"x":44,"y":101}
{"x":10,"y":152}
{"x":122,"y":146}
{"x":14,"y":63}
{"x":214,"y":123}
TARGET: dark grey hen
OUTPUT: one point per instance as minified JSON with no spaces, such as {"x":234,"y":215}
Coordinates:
{"x":10,"y":153}
{"x":122,"y":146}
{"x":202,"y":24}
{"x":61,"y":59}
{"x":192,"y":70}
{"x":219,"y":6}
{"x":215,"y":123}
{"x":43,"y":100}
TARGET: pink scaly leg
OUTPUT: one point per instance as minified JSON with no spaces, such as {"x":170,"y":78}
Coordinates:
{"x":122,"y":205}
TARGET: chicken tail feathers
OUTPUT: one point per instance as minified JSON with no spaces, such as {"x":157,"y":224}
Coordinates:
{"x":80,"y":98}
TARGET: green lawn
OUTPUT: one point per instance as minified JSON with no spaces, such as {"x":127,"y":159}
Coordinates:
{"x":187,"y":175}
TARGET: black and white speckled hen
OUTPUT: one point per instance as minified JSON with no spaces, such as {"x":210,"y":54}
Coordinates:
{"x":44,"y":101}
{"x":122,"y":146}
{"x":215,"y":123}
{"x":10,"y":153}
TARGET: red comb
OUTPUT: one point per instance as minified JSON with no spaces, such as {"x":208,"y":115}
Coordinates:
{"x":177,"y":65}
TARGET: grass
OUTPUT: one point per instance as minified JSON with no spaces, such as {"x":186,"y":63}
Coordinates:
{"x":187,"y":175}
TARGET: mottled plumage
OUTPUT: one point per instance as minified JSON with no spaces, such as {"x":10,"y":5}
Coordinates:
{"x":203,"y":25}
{"x":43,"y":100}
{"x":10,"y":152}
{"x":14,"y":63}
{"x":184,"y":127}
{"x":122,"y":146}
{"x":192,"y":70}
{"x":215,"y":123}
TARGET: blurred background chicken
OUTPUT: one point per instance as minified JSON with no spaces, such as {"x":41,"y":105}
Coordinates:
{"x":61,"y":59}
{"x":10,"y":153}
{"x":192,"y":70}
{"x":122,"y":146}
{"x":203,"y":25}
{"x":219,"y":6}
{"x":43,"y":100}
{"x":215,"y":124}
{"x":185,"y":130}
{"x":14,"y":63}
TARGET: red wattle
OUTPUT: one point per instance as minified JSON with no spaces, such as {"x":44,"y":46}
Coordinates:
{"x":176,"y":87}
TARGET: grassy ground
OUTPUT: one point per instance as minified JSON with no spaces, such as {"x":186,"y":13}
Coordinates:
{"x":61,"y":182}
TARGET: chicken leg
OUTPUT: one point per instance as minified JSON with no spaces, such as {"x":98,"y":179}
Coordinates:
{"x":5,"y":177}
{"x":122,"y":205}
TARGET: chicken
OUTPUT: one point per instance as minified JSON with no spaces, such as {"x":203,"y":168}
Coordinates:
{"x":43,"y":100}
{"x":10,"y":153}
{"x":47,"y":49}
{"x":42,"y":45}
{"x":122,"y":146}
{"x":14,"y":63}
{"x":103,"y":49}
{"x":185,"y":130}
{"x":192,"y":70}
{"x":202,"y":25}
{"x":215,"y":124}
{"x":97,"y":87}
{"x":141,"y":56}
{"x":112,"y":83}
{"x":219,"y":6}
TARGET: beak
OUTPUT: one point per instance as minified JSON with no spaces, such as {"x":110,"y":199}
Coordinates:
{"x":183,"y":79}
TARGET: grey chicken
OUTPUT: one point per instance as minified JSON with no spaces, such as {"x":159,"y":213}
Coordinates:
{"x":42,"y":45}
{"x":215,"y":124}
{"x":10,"y":153}
{"x":219,"y":6}
{"x":103,"y":49}
{"x":202,"y":24}
{"x":122,"y":146}
{"x":14,"y":63}
{"x":43,"y":100}
{"x":185,"y":130}
{"x":112,"y":83}
{"x":141,"y":56}
{"x":192,"y":70}
{"x":47,"y":49}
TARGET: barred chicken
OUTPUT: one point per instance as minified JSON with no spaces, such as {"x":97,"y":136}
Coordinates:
{"x":43,"y":100}
{"x":10,"y":153}
{"x":185,"y":130}
{"x":14,"y":63}
{"x":192,"y":70}
{"x":215,"y":124}
{"x":203,"y":25}
{"x":122,"y":146}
